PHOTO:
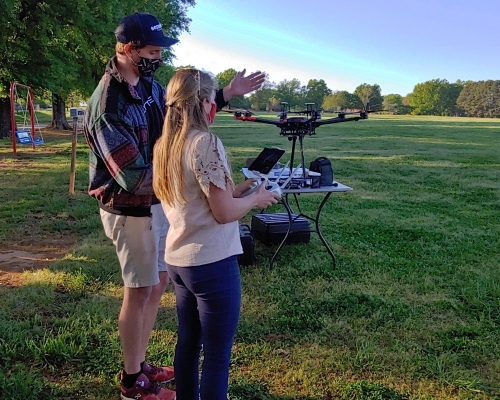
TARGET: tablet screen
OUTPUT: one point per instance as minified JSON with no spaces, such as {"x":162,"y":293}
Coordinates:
{"x":266,"y":160}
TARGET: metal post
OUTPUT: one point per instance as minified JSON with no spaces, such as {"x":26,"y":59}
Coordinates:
{"x":73,"y":156}
{"x":13,"y":116}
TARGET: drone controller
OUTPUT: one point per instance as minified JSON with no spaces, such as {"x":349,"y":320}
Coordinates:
{"x":271,"y":186}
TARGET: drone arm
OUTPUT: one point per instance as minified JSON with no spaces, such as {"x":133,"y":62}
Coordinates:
{"x":336,"y":120}
{"x":256,"y":119}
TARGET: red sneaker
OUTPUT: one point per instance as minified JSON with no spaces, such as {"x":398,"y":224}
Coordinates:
{"x":145,"y":390}
{"x":158,"y":374}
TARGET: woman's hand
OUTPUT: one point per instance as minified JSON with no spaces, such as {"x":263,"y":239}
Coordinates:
{"x":242,"y":187}
{"x":265,"y":198}
{"x":226,"y":208}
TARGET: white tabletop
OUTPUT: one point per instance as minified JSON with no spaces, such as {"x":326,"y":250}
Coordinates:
{"x":323,"y":189}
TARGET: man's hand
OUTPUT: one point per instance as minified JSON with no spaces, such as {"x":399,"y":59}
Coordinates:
{"x":241,"y":85}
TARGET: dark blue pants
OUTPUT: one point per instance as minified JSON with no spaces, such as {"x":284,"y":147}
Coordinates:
{"x":208,"y":308}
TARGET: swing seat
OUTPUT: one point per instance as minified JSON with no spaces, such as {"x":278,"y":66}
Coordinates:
{"x":23,"y":137}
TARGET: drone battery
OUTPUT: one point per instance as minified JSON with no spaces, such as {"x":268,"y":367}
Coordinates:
{"x":247,"y":242}
{"x":313,"y":180}
{"x":272,"y":228}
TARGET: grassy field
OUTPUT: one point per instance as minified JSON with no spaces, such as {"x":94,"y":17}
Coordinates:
{"x":42,"y":117}
{"x":411,"y":311}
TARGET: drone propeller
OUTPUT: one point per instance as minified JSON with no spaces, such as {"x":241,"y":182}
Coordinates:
{"x":237,"y":110}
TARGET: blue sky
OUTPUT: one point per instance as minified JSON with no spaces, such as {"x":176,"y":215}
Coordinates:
{"x":393,"y":43}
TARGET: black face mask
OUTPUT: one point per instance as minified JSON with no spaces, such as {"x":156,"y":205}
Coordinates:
{"x":148,"y":66}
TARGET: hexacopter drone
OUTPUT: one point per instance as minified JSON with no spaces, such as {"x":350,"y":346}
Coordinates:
{"x":299,"y":126}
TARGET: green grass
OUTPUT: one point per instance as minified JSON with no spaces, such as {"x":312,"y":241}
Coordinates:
{"x":411,"y":311}
{"x":42,"y":116}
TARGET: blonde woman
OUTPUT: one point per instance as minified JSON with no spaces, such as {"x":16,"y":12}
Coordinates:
{"x":192,"y":178}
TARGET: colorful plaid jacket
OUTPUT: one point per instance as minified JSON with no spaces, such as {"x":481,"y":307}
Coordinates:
{"x":116,"y":130}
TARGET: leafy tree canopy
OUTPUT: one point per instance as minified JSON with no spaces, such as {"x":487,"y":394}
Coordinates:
{"x":341,"y":100}
{"x":369,"y":94}
{"x":316,"y":91}
{"x":288,"y":90}
{"x":480,"y":99}
{"x":63,"y":46}
{"x":435,"y":97}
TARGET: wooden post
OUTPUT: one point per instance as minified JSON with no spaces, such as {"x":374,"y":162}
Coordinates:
{"x":73,"y":156}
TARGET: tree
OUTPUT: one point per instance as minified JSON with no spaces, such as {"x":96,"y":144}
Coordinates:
{"x":369,"y":94}
{"x":63,"y":46}
{"x":165,"y":73}
{"x":341,"y":100}
{"x":393,"y":102}
{"x":480,"y":99}
{"x":289,"y":91}
{"x":316,"y":91}
{"x":435,"y":97}
{"x":262,"y":99}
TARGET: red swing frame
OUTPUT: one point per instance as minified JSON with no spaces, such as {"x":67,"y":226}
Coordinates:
{"x":12,"y":92}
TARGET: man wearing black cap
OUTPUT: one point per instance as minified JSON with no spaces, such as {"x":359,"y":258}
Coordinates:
{"x":124,"y":119}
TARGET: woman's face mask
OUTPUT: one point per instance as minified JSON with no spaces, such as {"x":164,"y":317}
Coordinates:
{"x":211,"y":114}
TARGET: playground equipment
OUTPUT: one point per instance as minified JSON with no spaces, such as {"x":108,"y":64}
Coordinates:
{"x":23,"y":133}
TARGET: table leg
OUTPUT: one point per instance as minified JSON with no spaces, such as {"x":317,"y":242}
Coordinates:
{"x":318,"y":230}
{"x":283,"y":201}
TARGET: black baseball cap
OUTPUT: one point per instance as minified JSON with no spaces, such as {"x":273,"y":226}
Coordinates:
{"x":143,"y":29}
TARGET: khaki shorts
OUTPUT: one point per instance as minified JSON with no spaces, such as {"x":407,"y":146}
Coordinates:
{"x":140,"y":245}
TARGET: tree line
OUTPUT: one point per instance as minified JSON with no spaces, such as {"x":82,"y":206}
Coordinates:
{"x":433,"y":97}
{"x":60,"y":50}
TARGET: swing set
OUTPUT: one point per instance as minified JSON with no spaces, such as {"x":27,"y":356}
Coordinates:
{"x":25,"y":132}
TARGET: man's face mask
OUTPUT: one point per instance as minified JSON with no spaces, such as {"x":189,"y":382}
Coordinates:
{"x":148,"y":66}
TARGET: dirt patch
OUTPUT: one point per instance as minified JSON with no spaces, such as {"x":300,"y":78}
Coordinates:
{"x":29,"y":255}
{"x":36,"y":250}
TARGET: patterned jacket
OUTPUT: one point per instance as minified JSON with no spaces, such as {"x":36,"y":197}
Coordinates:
{"x":116,"y":129}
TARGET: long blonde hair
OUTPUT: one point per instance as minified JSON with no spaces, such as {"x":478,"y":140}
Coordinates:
{"x":185,"y":94}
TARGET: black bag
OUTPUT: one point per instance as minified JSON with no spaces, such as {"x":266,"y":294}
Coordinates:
{"x":324,"y":167}
{"x":247,"y":242}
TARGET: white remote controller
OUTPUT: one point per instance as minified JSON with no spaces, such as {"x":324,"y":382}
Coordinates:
{"x":253,"y":188}
{"x":271,"y":186}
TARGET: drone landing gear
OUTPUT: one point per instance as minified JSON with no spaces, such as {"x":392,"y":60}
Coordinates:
{"x":293,"y":139}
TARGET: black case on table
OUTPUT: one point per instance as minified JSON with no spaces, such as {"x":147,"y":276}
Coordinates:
{"x":247,"y":242}
{"x":272,"y":228}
